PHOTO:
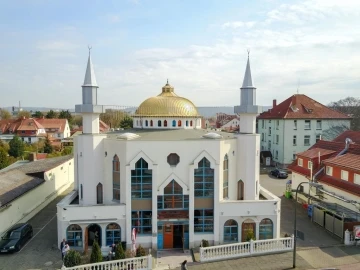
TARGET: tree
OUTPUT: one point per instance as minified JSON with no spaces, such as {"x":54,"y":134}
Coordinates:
{"x":16,"y":147}
{"x":140,"y":251}
{"x":4,"y":145}
{"x":96,"y":255}
{"x":67,"y":151}
{"x":119,"y":252}
{"x":25,"y":114}
{"x":38,"y":114}
{"x":51,"y":114}
{"x":48,"y":148}
{"x":77,"y":120}
{"x":66,"y":115}
{"x":4,"y":159}
{"x":351,"y":107}
{"x":126,"y":123}
{"x":72,"y":258}
{"x":113,"y":117}
{"x":4,"y":114}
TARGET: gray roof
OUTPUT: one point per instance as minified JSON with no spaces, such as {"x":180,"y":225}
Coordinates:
{"x":171,"y":134}
{"x":17,"y":181}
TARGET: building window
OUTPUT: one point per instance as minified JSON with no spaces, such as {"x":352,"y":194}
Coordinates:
{"x":344,"y":175}
{"x":277,"y":139}
{"x":113,"y":234}
{"x":294,"y":156}
{"x":262,"y":137}
{"x":191,"y":124}
{"x":187,"y":123}
{"x":173,"y":123}
{"x":294,"y":140}
{"x":99,"y":193}
{"x":307,"y":140}
{"x":231,"y":231}
{"x":276,"y":154}
{"x":318,"y":124}
{"x":310,"y":165}
{"x":266,"y":229}
{"x":141,"y":180}
{"x":141,"y":220}
{"x":203,"y":220}
{"x":179,"y":123}
{"x":357,"y":178}
{"x":173,"y":197}
{"x":300,"y":162}
{"x":116,"y":178}
{"x":151,"y":123}
{"x":165,"y":123}
{"x":307,"y":124}
{"x":269,"y":131}
{"x":277,"y":124}
{"x":226,"y":177}
{"x":159,"y":123}
{"x":146,"y":123}
{"x":81,"y":191}
{"x":173,"y":159}
{"x":329,"y":170}
{"x":318,"y":137}
{"x":74,"y":235}
{"x":295,"y":124}
{"x":204,"y":179}
{"x":269,"y":145}
{"x":262,"y":123}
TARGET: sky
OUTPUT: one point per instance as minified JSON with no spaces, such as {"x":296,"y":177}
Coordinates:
{"x":309,"y":46}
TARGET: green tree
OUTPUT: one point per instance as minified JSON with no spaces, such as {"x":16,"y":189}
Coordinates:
{"x":119,"y":252}
{"x":5,"y":114}
{"x":38,"y":114}
{"x":140,"y":251}
{"x":4,"y":159}
{"x":25,"y":114}
{"x":4,"y":145}
{"x":72,"y":258}
{"x":77,"y":120}
{"x":67,"y":151}
{"x":126,"y":123}
{"x":48,"y":148}
{"x":51,"y":114}
{"x":96,"y":255}
{"x":16,"y":147}
{"x":66,"y":115}
{"x":113,"y":117}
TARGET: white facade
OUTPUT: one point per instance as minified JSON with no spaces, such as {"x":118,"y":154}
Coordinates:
{"x":286,"y":137}
{"x":167,"y":122}
{"x":175,"y":187}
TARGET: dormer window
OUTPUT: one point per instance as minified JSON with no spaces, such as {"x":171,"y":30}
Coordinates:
{"x":329,"y":170}
{"x":344,"y":175}
{"x":300,"y":162}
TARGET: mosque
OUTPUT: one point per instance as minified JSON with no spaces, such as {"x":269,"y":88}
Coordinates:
{"x":167,"y":179}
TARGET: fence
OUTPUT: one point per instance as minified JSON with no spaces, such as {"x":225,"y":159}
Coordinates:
{"x":137,"y":263}
{"x":238,"y":250}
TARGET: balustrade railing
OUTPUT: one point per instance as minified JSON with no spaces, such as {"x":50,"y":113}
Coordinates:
{"x":137,"y":263}
{"x":237,"y":250}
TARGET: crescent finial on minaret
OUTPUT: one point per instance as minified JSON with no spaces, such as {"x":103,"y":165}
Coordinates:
{"x":89,"y":47}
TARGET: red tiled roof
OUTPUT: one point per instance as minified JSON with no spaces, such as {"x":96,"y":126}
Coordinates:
{"x":300,"y":170}
{"x":348,"y":160}
{"x":53,"y":123}
{"x":341,"y":184}
{"x":314,"y":152}
{"x":353,"y":135}
{"x":300,"y":106}
{"x":29,"y":124}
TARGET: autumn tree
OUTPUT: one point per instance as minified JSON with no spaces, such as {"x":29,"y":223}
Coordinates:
{"x":5,"y":114}
{"x":349,"y":106}
{"x":25,"y":114}
{"x":4,"y":159}
{"x":51,"y":114}
{"x":16,"y":147}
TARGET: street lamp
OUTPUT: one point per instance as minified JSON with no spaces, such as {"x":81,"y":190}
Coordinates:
{"x":312,"y":184}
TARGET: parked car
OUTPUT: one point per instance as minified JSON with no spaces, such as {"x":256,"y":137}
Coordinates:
{"x":279,"y":173}
{"x":16,"y":237}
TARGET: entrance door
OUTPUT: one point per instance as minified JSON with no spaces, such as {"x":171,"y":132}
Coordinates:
{"x":168,"y":236}
{"x":177,"y":236}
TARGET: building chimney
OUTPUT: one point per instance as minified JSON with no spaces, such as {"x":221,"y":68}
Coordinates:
{"x":274,"y":103}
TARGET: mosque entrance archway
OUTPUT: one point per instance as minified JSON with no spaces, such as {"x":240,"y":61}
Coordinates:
{"x":94,"y":234}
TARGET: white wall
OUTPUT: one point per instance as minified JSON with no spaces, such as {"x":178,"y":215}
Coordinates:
{"x":26,"y":206}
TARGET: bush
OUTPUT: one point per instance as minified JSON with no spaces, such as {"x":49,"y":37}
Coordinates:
{"x":205,"y":243}
{"x":129,"y":254}
{"x":96,"y":255}
{"x":72,"y":258}
{"x":119,"y":252}
{"x":140,"y":251}
{"x":250,"y":236}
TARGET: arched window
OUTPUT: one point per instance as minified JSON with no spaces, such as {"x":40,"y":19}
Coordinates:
{"x":226,"y":177}
{"x":141,"y":180}
{"x":187,"y":123}
{"x":240,"y":195}
{"x":231,"y":231}
{"x":204,"y":179}
{"x":113,"y":234}
{"x":146,"y":123}
{"x":116,"y":178}
{"x":191,"y":123}
{"x":165,"y":123}
{"x":248,"y":230}
{"x":173,"y":197}
{"x":99,"y":193}
{"x":151,"y":123}
{"x":179,"y":123}
{"x":81,"y":191}
{"x":266,"y":229}
{"x":74,"y":235}
{"x":174,"y":123}
{"x":159,"y":123}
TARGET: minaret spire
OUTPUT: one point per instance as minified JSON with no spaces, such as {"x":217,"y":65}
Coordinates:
{"x":90,"y":79}
{"x":247,"y":83}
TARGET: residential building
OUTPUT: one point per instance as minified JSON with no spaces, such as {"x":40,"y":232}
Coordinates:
{"x":167,"y":179}
{"x":295,"y":124}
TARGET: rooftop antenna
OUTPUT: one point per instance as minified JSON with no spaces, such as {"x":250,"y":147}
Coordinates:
{"x":298,"y":86}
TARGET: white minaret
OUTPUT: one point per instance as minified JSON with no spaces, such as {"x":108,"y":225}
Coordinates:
{"x":88,"y":147}
{"x":248,"y":146}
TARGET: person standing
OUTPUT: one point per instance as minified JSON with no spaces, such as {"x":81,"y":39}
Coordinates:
{"x":62,"y":244}
{"x":65,"y":249}
{"x":183,"y":265}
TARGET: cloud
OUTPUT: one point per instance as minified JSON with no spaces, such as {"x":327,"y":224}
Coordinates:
{"x":112,"y":18}
{"x":238,"y":24}
{"x":56,"y":45}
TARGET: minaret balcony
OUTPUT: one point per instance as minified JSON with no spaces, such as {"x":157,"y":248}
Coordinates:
{"x":89,"y":108}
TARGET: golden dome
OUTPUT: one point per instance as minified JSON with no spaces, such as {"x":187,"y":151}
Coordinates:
{"x":167,"y":104}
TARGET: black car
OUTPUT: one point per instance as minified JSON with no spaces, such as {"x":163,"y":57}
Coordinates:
{"x":16,"y":237}
{"x":279,"y":174}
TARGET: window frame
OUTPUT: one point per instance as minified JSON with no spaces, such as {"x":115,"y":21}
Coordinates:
{"x":207,"y":221}
{"x":116,"y":174}
{"x":307,"y":125}
{"x":344,"y":175}
{"x":318,"y":127}
{"x":138,"y":175}
{"x":329,"y":170}
{"x":300,"y":162}
{"x":138,"y":221}
{"x":226,"y":177}
{"x":307,"y":137}
{"x":205,"y":187}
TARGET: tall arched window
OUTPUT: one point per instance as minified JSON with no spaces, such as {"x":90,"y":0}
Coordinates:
{"x":146,"y":123}
{"x":187,"y":123}
{"x":113,"y":234}
{"x":266,"y":229}
{"x":204,"y":179}
{"x":81,"y":191}
{"x":240,"y":190}
{"x":165,"y":123}
{"x":173,"y":197}
{"x":191,"y":123}
{"x":141,"y":180}
{"x":179,"y":123}
{"x":226,"y":177}
{"x":159,"y":123}
{"x":74,"y":235}
{"x":99,"y":193}
{"x":116,"y":178}
{"x":231,"y":231}
{"x":151,"y":123}
{"x":174,"y":123}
